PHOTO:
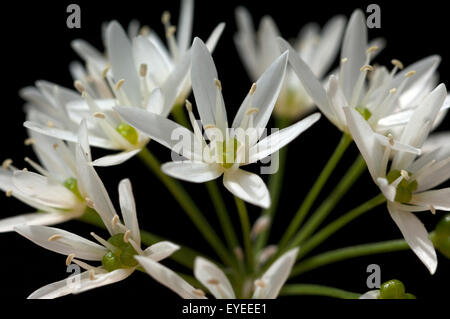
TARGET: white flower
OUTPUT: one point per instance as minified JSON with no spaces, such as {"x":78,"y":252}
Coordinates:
{"x":407,"y":186}
{"x":227,"y":150}
{"x":386,"y":99}
{"x":116,"y":254}
{"x":138,"y":73}
{"x":213,"y":278}
{"x":259,"y":49}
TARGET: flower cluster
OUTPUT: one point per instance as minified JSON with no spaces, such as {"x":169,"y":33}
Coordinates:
{"x":134,"y":94}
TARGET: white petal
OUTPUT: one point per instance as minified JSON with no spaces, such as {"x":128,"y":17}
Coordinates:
{"x":434,"y":175}
{"x":371,"y":294}
{"x":195,"y":172}
{"x":365,"y":139}
{"x":162,"y":130}
{"x":64,"y":242}
{"x":247,"y":186}
{"x":8,"y":224}
{"x":128,"y":209}
{"x":309,"y":81}
{"x":245,"y":42}
{"x":203,"y":75}
{"x":95,"y":189}
{"x":185,"y":24}
{"x":168,"y":278}
{"x":436,"y":140}
{"x":83,"y":139}
{"x":276,"y":276}
{"x":388,"y":190}
{"x":214,"y":37}
{"x":74,"y":285}
{"x":439,"y":199}
{"x":115,"y":159}
{"x":88,"y":53}
{"x":43,"y":190}
{"x":122,"y":64}
{"x":268,"y":87}
{"x":275,"y":141}
{"x":213,"y":278}
{"x":354,"y":48}
{"x":161,"y":250}
{"x":416,"y":235}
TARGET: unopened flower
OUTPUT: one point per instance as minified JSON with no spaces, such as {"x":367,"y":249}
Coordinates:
{"x":391,"y":289}
{"x":228,"y":148}
{"x":409,"y":182}
{"x":385,"y":98}
{"x":259,"y":49}
{"x":217,"y":283}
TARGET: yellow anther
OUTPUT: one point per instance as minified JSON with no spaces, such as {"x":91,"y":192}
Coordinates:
{"x":126,"y":236}
{"x":366,"y":68}
{"x":391,"y":139}
{"x":92,"y":274}
{"x":372,"y":49}
{"x":392,"y":91}
{"x":69,"y":259}
{"x":213,"y":281}
{"x":260,"y":283}
{"x":145,"y":30}
{"x":143,"y":70}
{"x":252,"y":110}
{"x":89,"y":202}
{"x":79,"y":86}
{"x":165,"y":18}
{"x":54,"y":237}
{"x":209,"y":126}
{"x":343,"y":60}
{"x":171,"y":31}
{"x":397,"y":63}
{"x":433,"y":210}
{"x":105,"y":70}
{"x":218,"y":84}
{"x":188,"y":106}
{"x":29,"y":141}
{"x":119,"y":84}
{"x":115,"y":220}
{"x":55,"y":146}
{"x":253,"y":89}
{"x":404,"y":174}
{"x":199,"y":292}
{"x":50,"y":124}
{"x":6,"y":164}
{"x":410,"y":73}
{"x":99,"y":115}
{"x":9,"y":193}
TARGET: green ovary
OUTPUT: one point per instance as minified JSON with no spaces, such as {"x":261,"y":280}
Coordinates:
{"x":128,"y":132}
{"x":394,"y":289}
{"x":122,"y":257}
{"x":72,"y":185}
{"x":366,"y":114}
{"x":404,"y":189}
{"x":227,"y":151}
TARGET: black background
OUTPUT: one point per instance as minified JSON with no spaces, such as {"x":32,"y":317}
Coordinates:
{"x":36,"y":45}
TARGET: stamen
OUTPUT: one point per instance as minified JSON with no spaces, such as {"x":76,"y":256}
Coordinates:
{"x":119,"y":84}
{"x":25,"y":169}
{"x":79,"y":86}
{"x":99,"y":115}
{"x":82,"y":264}
{"x":37,"y":167}
{"x":199,"y":292}
{"x":366,"y":67}
{"x":344,"y":60}
{"x":410,"y":73}
{"x":136,"y":247}
{"x":404,"y":174}
{"x":145,"y":30}
{"x":69,"y":259}
{"x":89,"y":202}
{"x":55,"y":146}
{"x":165,"y":18}
{"x":209,"y":126}
{"x":105,"y":71}
{"x":260,"y":283}
{"x":253,"y":89}
{"x":397,"y":63}
{"x":126,"y":236}
{"x":9,"y":193}
{"x":143,"y":70}
{"x":50,"y":124}
{"x":6,"y":164}
{"x":188,"y":106}
{"x":433,"y":210}
{"x":213,"y":281}
{"x":251,"y":111}
{"x":392,"y":91}
{"x":372,"y":49}
{"x":54,"y":237}
{"x":391,"y":139}
{"x":92,"y":274}
{"x":29,"y":141}
{"x":104,"y":242}
{"x":218,"y":84}
{"x":115,"y":220}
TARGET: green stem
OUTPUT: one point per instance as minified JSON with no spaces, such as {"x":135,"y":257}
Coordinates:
{"x":347,"y":253}
{"x":315,"y":190}
{"x":188,"y":205}
{"x":245,"y":224}
{"x":275,"y":184}
{"x":334,"y":226}
{"x":179,"y":115}
{"x":352,"y":174}
{"x":184,"y":256}
{"x":222,"y":213}
{"x":317,"y":290}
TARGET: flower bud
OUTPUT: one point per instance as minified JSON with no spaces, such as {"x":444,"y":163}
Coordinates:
{"x":441,"y":238}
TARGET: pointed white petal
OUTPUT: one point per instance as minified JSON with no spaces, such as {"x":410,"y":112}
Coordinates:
{"x":268,"y":87}
{"x":168,"y":278}
{"x":122,"y":64}
{"x":128,"y":209}
{"x":388,"y":190}
{"x":416,"y":235}
{"x":245,"y":42}
{"x":115,"y":159}
{"x":214,"y":37}
{"x":44,"y":190}
{"x":247,"y":186}
{"x":161,"y":250}
{"x":8,"y":224}
{"x":434,"y":175}
{"x":195,"y":172}
{"x":275,"y":141}
{"x":185,"y":24}
{"x":276,"y":276}
{"x":62,"y":242}
{"x":438,"y":199}
{"x":213,"y":278}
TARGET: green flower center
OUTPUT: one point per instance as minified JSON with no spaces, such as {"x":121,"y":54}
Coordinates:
{"x":404,"y":189}
{"x":394,"y":289}
{"x":128,"y":132}
{"x":227,"y":151}
{"x":72,"y":185}
{"x":122,"y":257}
{"x":366,"y":114}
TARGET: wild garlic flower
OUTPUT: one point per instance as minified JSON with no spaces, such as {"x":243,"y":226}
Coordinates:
{"x":259,"y":49}
{"x":137,"y":73}
{"x":409,"y":182}
{"x":214,"y":279}
{"x":59,"y":191}
{"x":228,"y":148}
{"x":116,"y":254}
{"x":386,"y":99}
